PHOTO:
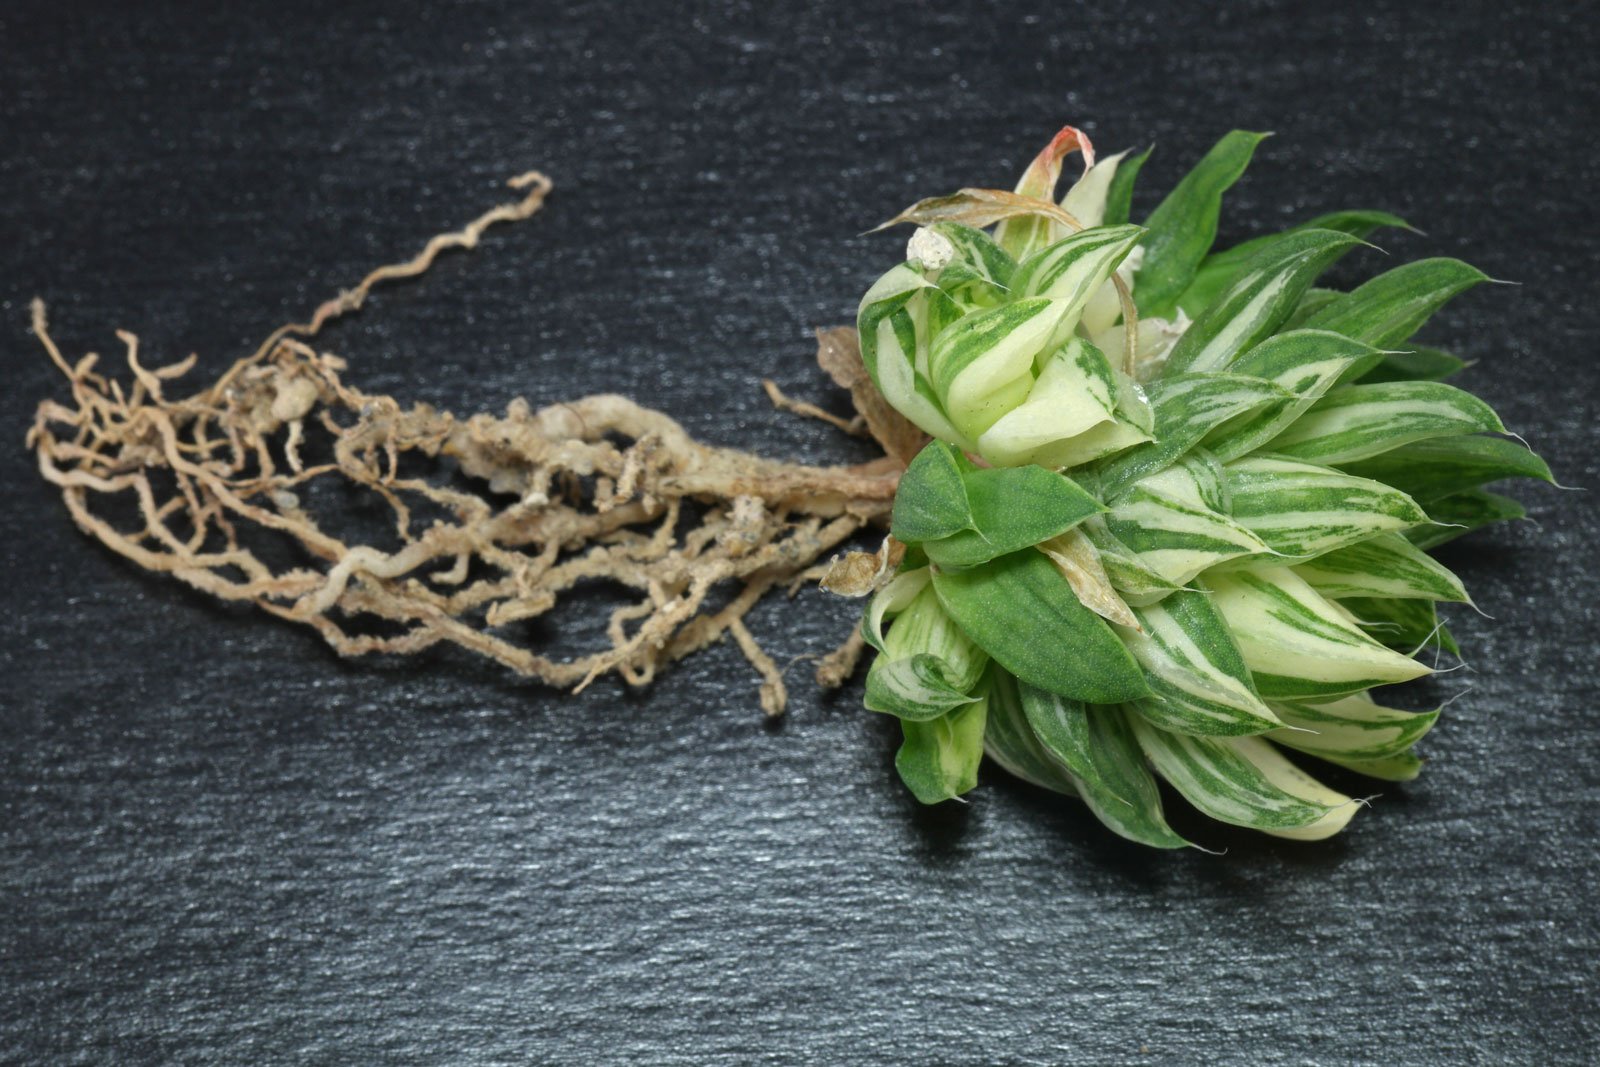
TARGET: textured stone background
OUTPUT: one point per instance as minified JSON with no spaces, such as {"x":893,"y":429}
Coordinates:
{"x":219,"y":843}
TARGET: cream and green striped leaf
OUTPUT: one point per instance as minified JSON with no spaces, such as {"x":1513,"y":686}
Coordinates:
{"x":927,"y":665}
{"x":1198,"y":478}
{"x":1297,"y":643}
{"x":1385,"y":566}
{"x":1175,"y":538}
{"x":1305,"y":364}
{"x":1076,"y":391}
{"x":1358,"y":421}
{"x":1074,"y":267}
{"x":1387,"y":310}
{"x":1187,"y":408}
{"x":1134,"y":579}
{"x":1356,"y":732}
{"x":1198,"y":681}
{"x":1406,"y":625}
{"x":1303,"y":510}
{"x":1098,"y":749}
{"x":899,"y":317}
{"x":1011,"y":742}
{"x":1246,"y":782}
{"x":1220,"y":270}
{"x":1266,"y":292}
{"x":982,"y":365}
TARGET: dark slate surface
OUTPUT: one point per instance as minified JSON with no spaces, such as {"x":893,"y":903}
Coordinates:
{"x":219,"y":843}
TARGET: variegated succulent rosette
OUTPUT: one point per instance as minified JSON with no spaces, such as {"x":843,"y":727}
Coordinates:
{"x":1174,"y":516}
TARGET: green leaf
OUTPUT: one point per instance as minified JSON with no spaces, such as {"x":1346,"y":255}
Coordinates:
{"x":1305,"y":363}
{"x":1357,"y":421}
{"x":962,"y":515}
{"x":1222,"y":269}
{"x":1387,"y":310}
{"x":1429,"y":470}
{"x":1385,"y":566}
{"x":1021,"y":610}
{"x":1296,"y":643}
{"x":1461,"y":513}
{"x":1119,"y":198}
{"x":939,"y":758}
{"x":1012,"y":508}
{"x":1303,"y":510}
{"x":1183,"y":227}
{"x":1350,"y":730}
{"x":931,"y":500}
{"x":1407,"y":626}
{"x":1267,"y":290}
{"x":1198,"y":679}
{"x":1246,"y":782}
{"x":1187,"y":408}
{"x":1106,"y":764}
{"x":1314,"y":301}
{"x":1418,"y":365}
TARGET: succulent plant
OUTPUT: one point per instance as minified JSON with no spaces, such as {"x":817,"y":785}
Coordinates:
{"x":1174,"y":515}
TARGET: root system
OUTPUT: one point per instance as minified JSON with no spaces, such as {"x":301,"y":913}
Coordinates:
{"x":225,"y":490}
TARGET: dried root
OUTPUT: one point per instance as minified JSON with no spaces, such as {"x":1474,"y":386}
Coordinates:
{"x":492,"y":520}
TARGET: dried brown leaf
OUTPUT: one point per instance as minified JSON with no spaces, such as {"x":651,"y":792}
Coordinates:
{"x":1075,"y":556}
{"x":980,"y":208}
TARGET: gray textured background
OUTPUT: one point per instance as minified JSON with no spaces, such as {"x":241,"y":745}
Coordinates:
{"x":219,"y":843}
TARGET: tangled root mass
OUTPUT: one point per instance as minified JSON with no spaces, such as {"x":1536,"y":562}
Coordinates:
{"x":494,"y":519}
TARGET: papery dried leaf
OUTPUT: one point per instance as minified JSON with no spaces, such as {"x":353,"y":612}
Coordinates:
{"x":857,"y":574}
{"x":1075,"y":557}
{"x":979,"y":208}
{"x":839,"y":354}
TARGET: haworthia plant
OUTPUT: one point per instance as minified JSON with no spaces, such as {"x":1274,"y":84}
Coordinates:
{"x":1174,"y":517}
